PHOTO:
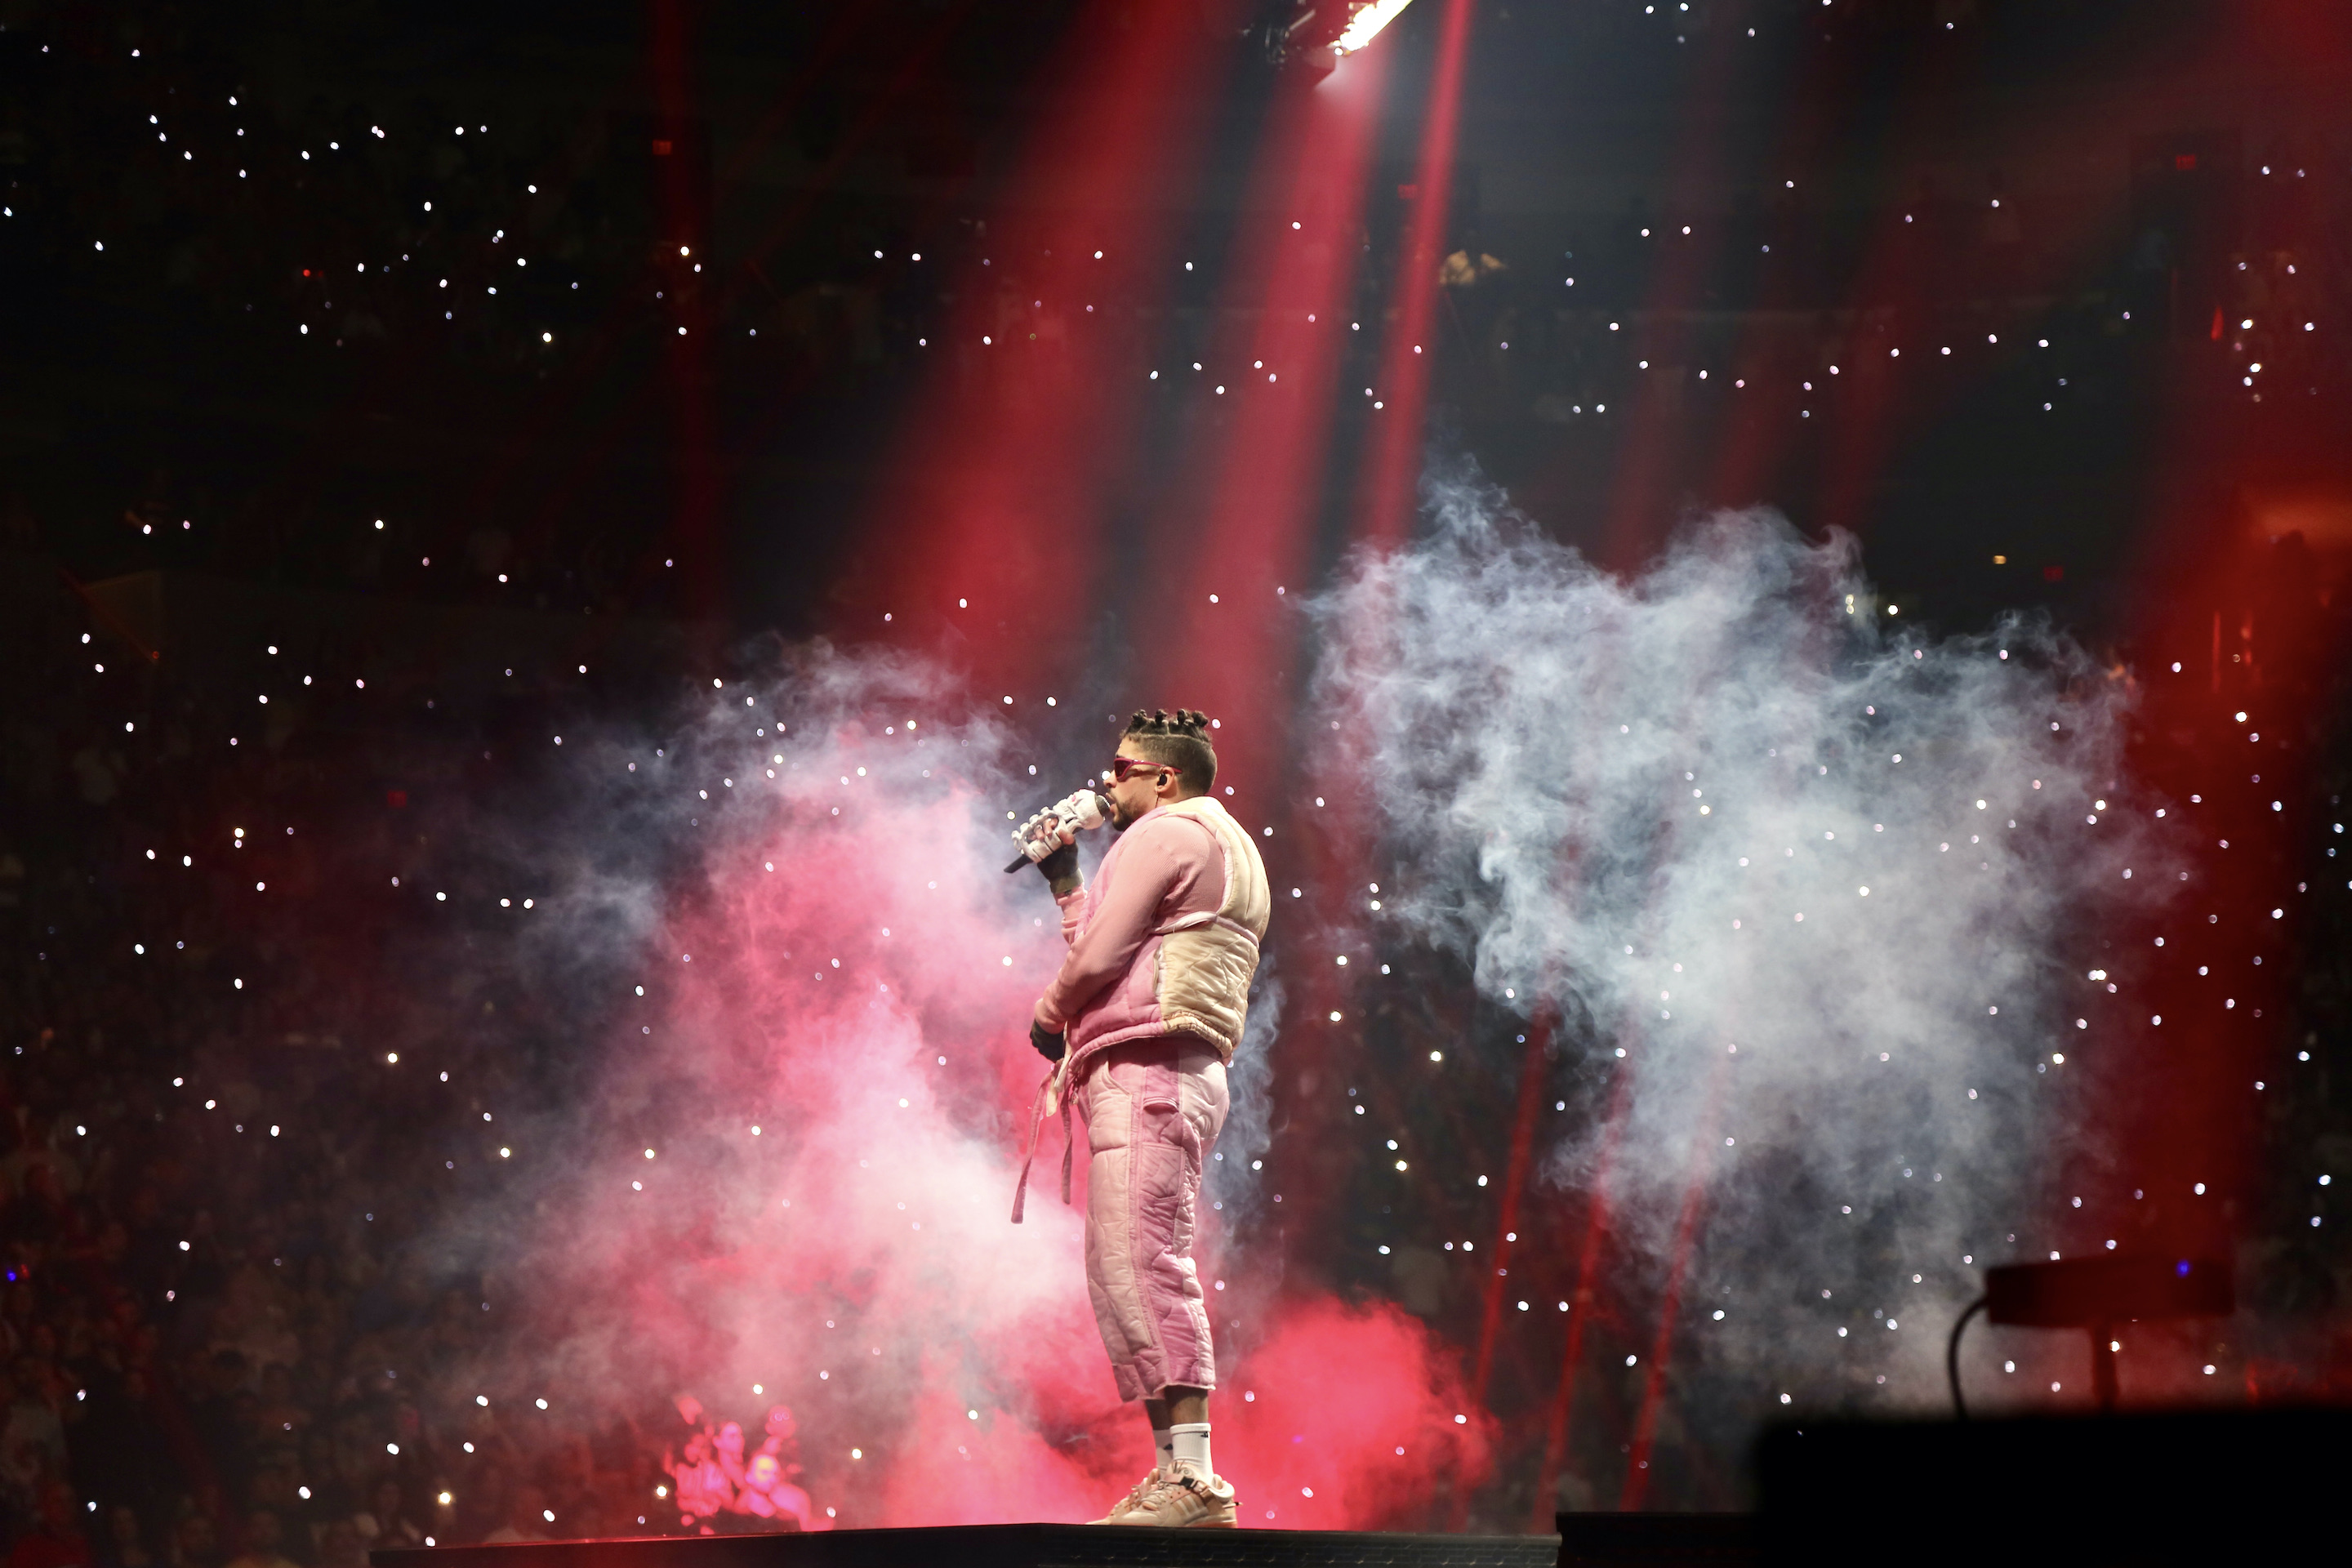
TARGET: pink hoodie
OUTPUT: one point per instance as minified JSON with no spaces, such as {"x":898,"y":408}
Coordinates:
{"x":1166,"y":939}
{"x":1162,"y":868}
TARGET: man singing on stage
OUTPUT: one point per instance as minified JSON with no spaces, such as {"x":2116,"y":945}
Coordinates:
{"x":1140,"y":1021}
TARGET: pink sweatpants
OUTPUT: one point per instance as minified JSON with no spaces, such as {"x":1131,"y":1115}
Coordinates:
{"x":1152,"y":1108}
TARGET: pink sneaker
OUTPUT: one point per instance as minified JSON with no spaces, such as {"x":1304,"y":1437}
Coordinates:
{"x":1184,"y":1501}
{"x":1135,"y":1497}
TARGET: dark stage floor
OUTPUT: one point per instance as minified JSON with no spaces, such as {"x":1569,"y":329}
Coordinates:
{"x":1005,"y":1546}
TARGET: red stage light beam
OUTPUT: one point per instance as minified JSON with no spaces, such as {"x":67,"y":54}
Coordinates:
{"x":1523,"y":1127}
{"x":1246,"y":548}
{"x":1585,"y":1299}
{"x":1654,"y":1386}
{"x":1652,"y":453}
{"x":1395,"y":440}
{"x":987,"y":534}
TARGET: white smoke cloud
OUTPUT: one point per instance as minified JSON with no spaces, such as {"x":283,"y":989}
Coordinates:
{"x":1810,"y":874}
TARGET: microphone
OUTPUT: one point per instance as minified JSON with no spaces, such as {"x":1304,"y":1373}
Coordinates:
{"x":1077,"y":811}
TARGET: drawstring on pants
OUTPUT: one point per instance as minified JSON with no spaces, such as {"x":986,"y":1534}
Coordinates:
{"x":1050,"y":1094}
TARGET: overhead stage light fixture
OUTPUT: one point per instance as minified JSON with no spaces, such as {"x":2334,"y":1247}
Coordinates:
{"x":1365,"y":24}
{"x":1300,"y":34}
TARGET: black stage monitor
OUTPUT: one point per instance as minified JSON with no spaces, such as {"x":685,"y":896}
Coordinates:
{"x":2202,"y":1486}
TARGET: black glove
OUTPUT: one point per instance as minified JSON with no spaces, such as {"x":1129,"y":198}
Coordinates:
{"x":1061,"y":864}
{"x":1050,"y":1047}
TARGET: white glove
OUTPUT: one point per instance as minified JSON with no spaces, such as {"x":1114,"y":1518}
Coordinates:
{"x":1040,"y":836}
{"x":1083,"y":809}
{"x":1059,"y":825}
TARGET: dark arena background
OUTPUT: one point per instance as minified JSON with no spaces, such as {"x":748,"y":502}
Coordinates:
{"x":1771,"y":577}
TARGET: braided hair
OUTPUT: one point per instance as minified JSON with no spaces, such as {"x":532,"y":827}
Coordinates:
{"x":1180,"y":740}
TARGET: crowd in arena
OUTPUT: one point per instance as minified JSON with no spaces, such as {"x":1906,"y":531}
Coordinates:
{"x":718,"y":1481}
{"x":227,"y":1333}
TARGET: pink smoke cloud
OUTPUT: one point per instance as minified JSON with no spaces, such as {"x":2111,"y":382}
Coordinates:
{"x":803,"y":1148}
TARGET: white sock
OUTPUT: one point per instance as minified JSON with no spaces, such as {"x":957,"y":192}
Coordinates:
{"x":1165,"y":1441}
{"x":1191,"y":1440}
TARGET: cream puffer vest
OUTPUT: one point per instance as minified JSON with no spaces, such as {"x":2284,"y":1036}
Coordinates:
{"x":1193,"y":975}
